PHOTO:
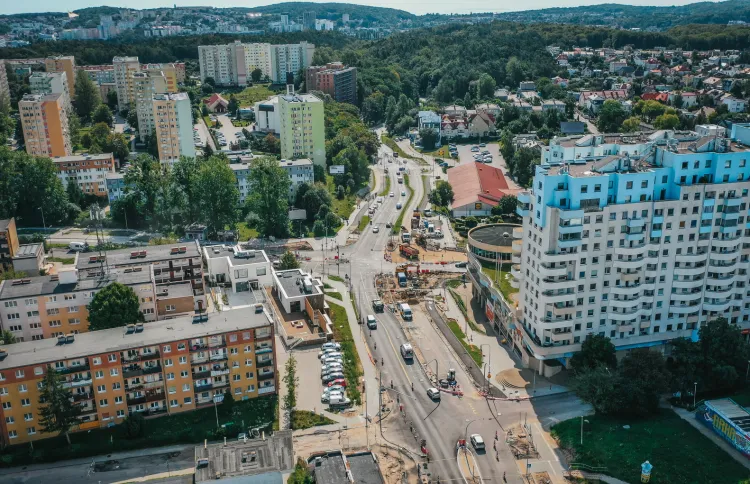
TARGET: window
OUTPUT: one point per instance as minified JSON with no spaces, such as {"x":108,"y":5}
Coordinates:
{"x":118,"y":400}
{"x":12,"y":434}
{"x":170,"y":376}
{"x":168,"y":362}
{"x":20,"y":373}
{"x":3,"y":391}
{"x":114,"y":372}
{"x":260,"y":271}
{"x":97,"y":360}
{"x":7,"y":406}
{"x":116,"y":385}
{"x":183,"y":360}
{"x":188,"y":400}
{"x":173,"y":403}
{"x":25,"y":402}
{"x":28,"y":417}
{"x":170,"y":308}
{"x":181,"y":347}
{"x":172,"y":390}
{"x":73,"y":309}
{"x":23,"y":388}
{"x":101,"y":388}
{"x":120,"y":413}
{"x":103,"y":402}
{"x":167,"y":349}
{"x":183,"y":374}
{"x":629,"y":185}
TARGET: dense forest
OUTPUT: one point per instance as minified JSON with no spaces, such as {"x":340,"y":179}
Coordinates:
{"x":334,"y":11}
{"x":639,"y":16}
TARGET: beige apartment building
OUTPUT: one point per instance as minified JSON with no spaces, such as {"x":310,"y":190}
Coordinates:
{"x":125,"y":67}
{"x":66,"y":64}
{"x":4,"y":87}
{"x":155,"y":369}
{"x":174,"y":126}
{"x":44,"y":119}
{"x":145,"y":85}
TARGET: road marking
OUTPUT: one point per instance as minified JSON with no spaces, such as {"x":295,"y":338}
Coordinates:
{"x":398,"y":356}
{"x":542,"y":434}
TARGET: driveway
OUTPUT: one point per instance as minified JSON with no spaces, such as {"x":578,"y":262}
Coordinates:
{"x":202,"y":131}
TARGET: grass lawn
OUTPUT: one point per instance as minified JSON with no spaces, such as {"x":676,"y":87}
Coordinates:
{"x":396,"y":229}
{"x":245,"y":232}
{"x":501,"y":278}
{"x":62,"y":260}
{"x":344,"y":207}
{"x":305,"y":419}
{"x":336,"y":278}
{"x":474,"y":351}
{"x":462,"y":307}
{"x":391,"y":143}
{"x":335,"y":294}
{"x":342,"y":333}
{"x":182,"y":428}
{"x":387,"y":188}
{"x":442,"y":152}
{"x":240,"y":123}
{"x":363,"y":222}
{"x":250,"y":95}
{"x":679,"y":453}
{"x":49,"y":245}
{"x":453,"y":283}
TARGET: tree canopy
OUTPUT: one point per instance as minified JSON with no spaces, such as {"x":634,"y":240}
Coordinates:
{"x":268,"y":202}
{"x":113,"y":306}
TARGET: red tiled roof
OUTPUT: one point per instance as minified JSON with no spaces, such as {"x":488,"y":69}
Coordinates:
{"x":215,"y":98}
{"x":655,"y":96}
{"x":477,"y":182}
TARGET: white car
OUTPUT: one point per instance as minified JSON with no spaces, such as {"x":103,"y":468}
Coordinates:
{"x":334,"y":388}
{"x":326,"y":397}
{"x":477,"y":441}
{"x":328,"y":361}
{"x":375,"y":229}
{"x":403,"y":193}
{"x":329,"y":354}
{"x":391,"y":194}
{"x":332,"y":345}
{"x":331,"y":366}
{"x":433,"y":393}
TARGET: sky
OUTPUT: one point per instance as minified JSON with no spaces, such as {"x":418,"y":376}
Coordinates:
{"x":418,"y":7}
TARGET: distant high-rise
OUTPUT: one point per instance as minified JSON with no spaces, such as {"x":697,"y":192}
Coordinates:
{"x":334,"y":79}
{"x":125,"y":67}
{"x":44,"y":119}
{"x":66,"y":64}
{"x":308,"y":20}
{"x":145,"y":85}
{"x":301,"y":127}
{"x":51,"y":83}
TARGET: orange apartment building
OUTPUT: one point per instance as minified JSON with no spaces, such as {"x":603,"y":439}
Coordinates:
{"x":159,"y":368}
{"x":8,"y":243}
{"x":89,"y":172}
{"x":44,"y":120}
{"x":66,"y":64}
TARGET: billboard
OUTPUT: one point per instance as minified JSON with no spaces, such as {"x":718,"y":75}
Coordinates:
{"x":297,"y":214}
{"x":337,"y":170}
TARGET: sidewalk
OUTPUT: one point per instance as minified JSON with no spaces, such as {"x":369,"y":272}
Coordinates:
{"x":689,"y":417}
{"x":499,"y":359}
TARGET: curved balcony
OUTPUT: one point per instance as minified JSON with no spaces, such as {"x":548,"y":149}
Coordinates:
{"x":515,"y":271}
{"x":558,"y":298}
{"x":515,"y":259}
{"x":626,"y":290}
{"x":563,"y":310}
{"x":689,"y":271}
{"x":630,"y":303}
{"x":639,"y":250}
{"x":717,"y":305}
{"x":570,"y":229}
{"x":558,"y":256}
{"x":718,"y":293}
{"x":556,"y":271}
{"x":691,"y":258}
{"x":686,"y":309}
{"x":568,"y":243}
{"x":515,"y":283}
{"x":729,"y":255}
{"x":517,"y":246}
{"x":732,"y":243}
{"x":692,"y":296}
{"x":688,"y":284}
{"x":635,"y":263}
{"x":627,"y":316}
{"x":630,"y":276}
{"x":557,"y":284}
{"x":518,"y":232}
{"x":723,"y":268}
{"x":722,"y":281}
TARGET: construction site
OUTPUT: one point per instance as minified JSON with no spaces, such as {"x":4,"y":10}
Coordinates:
{"x":410,"y":282}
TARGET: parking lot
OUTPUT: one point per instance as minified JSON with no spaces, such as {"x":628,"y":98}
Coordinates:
{"x":465,"y":155}
{"x":308,"y":370}
{"x":229,"y":131}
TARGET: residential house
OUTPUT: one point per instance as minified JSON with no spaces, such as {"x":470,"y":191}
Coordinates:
{"x":216,"y":103}
{"x":734,"y":105}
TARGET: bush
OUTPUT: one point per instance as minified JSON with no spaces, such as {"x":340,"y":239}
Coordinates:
{"x":134,"y":425}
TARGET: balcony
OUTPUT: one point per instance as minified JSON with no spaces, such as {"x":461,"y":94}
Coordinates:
{"x":630,"y":290}
{"x":687,"y":297}
{"x":563,"y":309}
{"x":516,"y":246}
{"x":690,"y":271}
{"x":262,"y":363}
{"x":569,"y":240}
{"x":266,"y":376}
{"x":518,"y":232}
{"x":266,"y":390}
{"x":631,"y":276}
{"x":220,"y":384}
{"x":552,"y":284}
{"x":261,"y":350}
{"x":79,"y":382}
{"x":727,"y":242}
{"x":717,"y":305}
{"x":560,"y":336}
{"x":73,"y":369}
{"x":155,"y":396}
{"x":218,"y":357}
{"x":559,"y":257}
{"x":201,"y":374}
{"x":624,"y":303}
{"x":202,"y":385}
{"x":725,"y":256}
{"x":135,"y":400}
{"x":692,"y":258}
{"x":636,"y":222}
{"x":570,"y":228}
{"x":685,"y":309}
{"x":718,"y":293}
{"x":516,"y":259}
{"x":198,"y":347}
{"x":82,"y":397}
{"x":552,"y":270}
{"x":198,"y":360}
{"x":633,"y":263}
{"x":636,"y":250}
{"x":135,"y":370}
{"x":515,"y":271}
{"x":689,"y":284}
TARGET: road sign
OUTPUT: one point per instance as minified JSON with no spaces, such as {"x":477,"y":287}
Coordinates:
{"x":297,"y":214}
{"x":337,"y":169}
{"x":219,"y":398}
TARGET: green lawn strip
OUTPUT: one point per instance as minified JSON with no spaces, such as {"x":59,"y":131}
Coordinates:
{"x":250,"y":95}
{"x":387,"y":188}
{"x":62,"y":260}
{"x":245,"y":232}
{"x":501,"y":279}
{"x":335,"y":278}
{"x":363,"y":222}
{"x":335,"y":294}
{"x":462,"y":307}
{"x":344,"y":207}
{"x":391,"y":143}
{"x":396,"y":229}
{"x":679,"y":453}
{"x":49,"y":245}
{"x":454,"y":283}
{"x":182,"y":428}
{"x":305,"y":419}
{"x":352,"y":367}
{"x":474,"y":351}
{"x":442,"y":152}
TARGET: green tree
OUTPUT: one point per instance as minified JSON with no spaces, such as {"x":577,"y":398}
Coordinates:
{"x":58,"y":413}
{"x":114,"y":306}
{"x":132,"y":119}
{"x":610,"y":117}
{"x":218,"y":196}
{"x":288,"y":261}
{"x":642,"y":378}
{"x":597,"y":387}
{"x":666,"y":121}
{"x":506,"y":206}
{"x":468,"y":101}
{"x":292,"y":381}
{"x":631,"y":124}
{"x":134,"y":425}
{"x":268,"y":202}
{"x":301,"y":474}
{"x":87,"y":96}
{"x":487,"y":86}
{"x":7,"y":337}
{"x":103,"y":114}
{"x":595,"y":351}
{"x":112,"y":100}
{"x":256,"y":75}
{"x":442,"y":195}
{"x":428,"y":137}
{"x":233,"y":105}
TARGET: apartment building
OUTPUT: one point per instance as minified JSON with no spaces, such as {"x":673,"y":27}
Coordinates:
{"x":8,"y":243}
{"x":66,"y":64}
{"x":267,"y":115}
{"x":44,"y":119}
{"x":4,"y":87}
{"x":89,"y":172}
{"x":51,"y":83}
{"x":124,"y":68}
{"x":160,"y":368}
{"x":301,"y":127}
{"x":115,"y":186}
{"x":641,"y":248}
{"x":334,"y":79}
{"x":100,"y":74}
{"x":168,"y":71}
{"x":174,"y":126}
{"x":145,"y":85}
{"x":300,"y":171}
{"x":232,"y":64}
{"x":242,"y":270}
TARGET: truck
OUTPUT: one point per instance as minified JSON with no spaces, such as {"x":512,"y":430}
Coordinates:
{"x":402,"y":279}
{"x":415,"y":219}
{"x":400,"y":179}
{"x":405,"y":311}
{"x":408,"y":251}
{"x":406,"y":237}
{"x":378,"y":306}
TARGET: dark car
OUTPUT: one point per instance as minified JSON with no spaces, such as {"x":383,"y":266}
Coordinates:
{"x":462,"y":264}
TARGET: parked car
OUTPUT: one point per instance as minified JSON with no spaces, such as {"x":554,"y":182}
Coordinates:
{"x":391,"y":194}
{"x":482,"y":145}
{"x":331,"y":368}
{"x":334,"y":388}
{"x":433,"y":393}
{"x":461,"y":264}
{"x":326,"y":397}
{"x":332,"y":377}
{"x":327,"y":361}
{"x":372,"y":323}
{"x":475,"y":148}
{"x":329,"y":353}
{"x":331,"y":345}
{"x":340,"y":401}
{"x":339,"y":381}
{"x":403,"y":193}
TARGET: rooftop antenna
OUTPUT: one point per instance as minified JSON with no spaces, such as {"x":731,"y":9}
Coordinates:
{"x":289,"y":84}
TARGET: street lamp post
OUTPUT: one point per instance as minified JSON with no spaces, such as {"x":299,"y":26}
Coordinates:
{"x":489,"y":363}
{"x":41,"y":209}
{"x":695,"y":392}
{"x":582,"y":420}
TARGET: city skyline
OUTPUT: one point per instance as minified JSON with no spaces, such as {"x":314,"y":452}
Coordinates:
{"x":420,"y":7}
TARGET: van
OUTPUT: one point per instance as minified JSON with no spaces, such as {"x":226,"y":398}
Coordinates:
{"x":372,"y":323}
{"x":405,"y":311}
{"x":78,"y":246}
{"x":407,"y":351}
{"x":339,"y":401}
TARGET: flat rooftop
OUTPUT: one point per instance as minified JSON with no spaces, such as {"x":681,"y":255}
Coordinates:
{"x":237,"y":256}
{"x":256,"y":456}
{"x":494,"y":234}
{"x":330,"y":469}
{"x":300,"y":98}
{"x":102,"y":156}
{"x":364,"y":469}
{"x":291,"y":282}
{"x":114,"y":340}
{"x":49,"y":285}
{"x":174,"y":290}
{"x":145,"y":255}
{"x":27,"y":251}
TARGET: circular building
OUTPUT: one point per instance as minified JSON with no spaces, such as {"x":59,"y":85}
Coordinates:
{"x":495,"y":243}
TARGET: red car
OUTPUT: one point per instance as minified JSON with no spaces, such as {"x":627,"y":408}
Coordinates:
{"x":339,"y":381}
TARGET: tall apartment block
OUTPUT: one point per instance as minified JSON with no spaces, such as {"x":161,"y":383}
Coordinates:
{"x":89,"y":172}
{"x":44,"y":119}
{"x":4,"y":87}
{"x":334,"y":79}
{"x":168,"y":71}
{"x":66,"y":64}
{"x":301,"y":127}
{"x":145,"y":85}
{"x":167,"y":279}
{"x":160,"y":368}
{"x":124,"y":68}
{"x":51,"y":83}
{"x":8,"y":243}
{"x":638,"y":238}
{"x":174,"y":126}
{"x":233,"y":64}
